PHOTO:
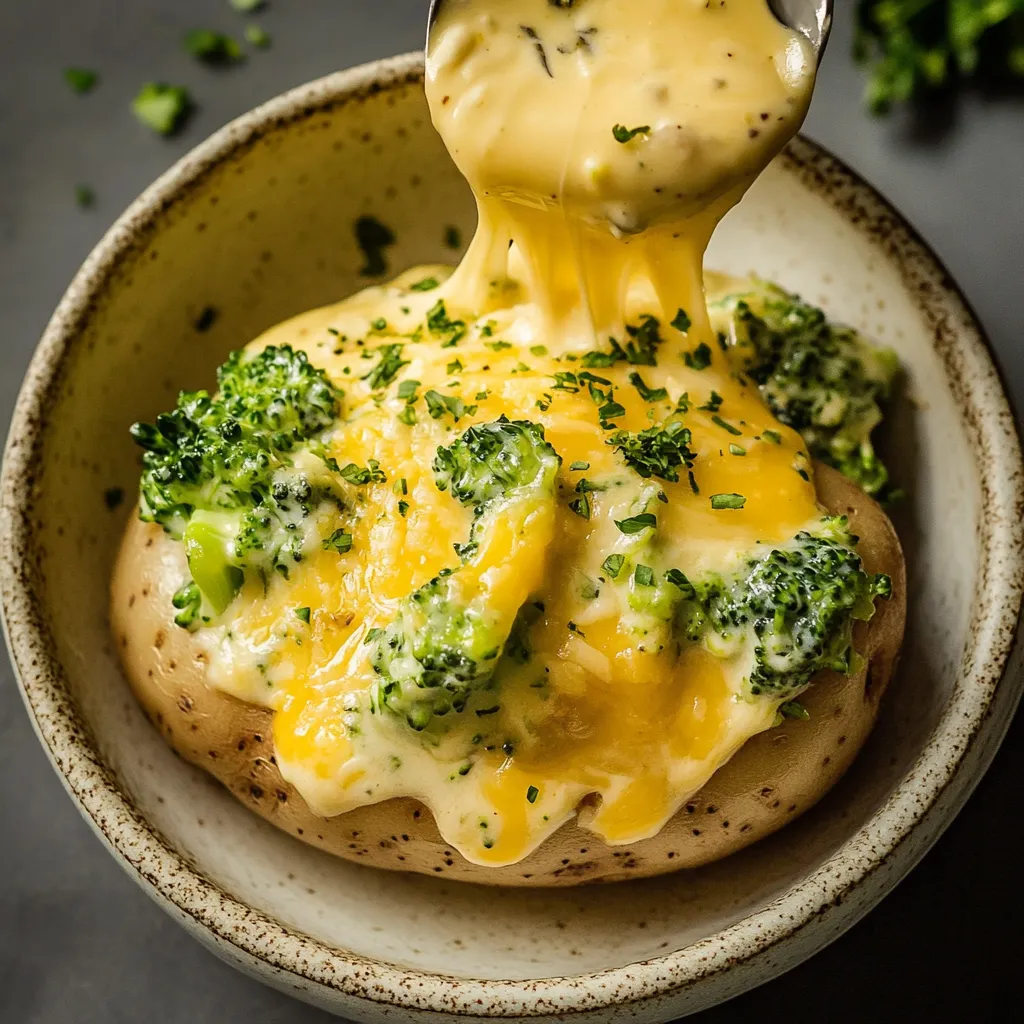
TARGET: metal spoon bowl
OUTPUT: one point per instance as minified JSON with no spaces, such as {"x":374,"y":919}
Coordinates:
{"x":812,"y":18}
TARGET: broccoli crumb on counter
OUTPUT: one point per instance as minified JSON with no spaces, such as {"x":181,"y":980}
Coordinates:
{"x":222,"y":473}
{"x":822,"y":379}
{"x":449,"y":634}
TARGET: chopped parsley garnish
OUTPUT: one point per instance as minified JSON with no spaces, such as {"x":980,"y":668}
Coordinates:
{"x":161,"y":107}
{"x":256,"y":36}
{"x":403,"y":508}
{"x":438,"y":405}
{"x":538,"y":350}
{"x":578,"y":466}
{"x":648,"y":394}
{"x":531,"y":794}
{"x":678,"y":579}
{"x":772,"y":436}
{"x":497,"y":346}
{"x":794,"y":709}
{"x":566,"y":381}
{"x":428,"y":284}
{"x":407,"y":390}
{"x":455,"y":366}
{"x":339,"y":541}
{"x":719,"y":422}
{"x":373,"y":634}
{"x":613,"y":565}
{"x":681,"y":322}
{"x":656,"y":451}
{"x":302,"y":613}
{"x":581,"y":505}
{"x":713,"y":404}
{"x":727,"y":501}
{"x":212,"y":47}
{"x":640,"y":350}
{"x":699,"y":358}
{"x":81,"y":80}
{"x":735,"y":449}
{"x":637,"y":524}
{"x":452,"y":237}
{"x":84,"y":196}
{"x":693,"y":482}
{"x":624,"y":134}
{"x":388,"y":365}
{"x":643,"y":576}
{"x":371,"y":473}
{"x":442,"y":326}
{"x":373,"y":238}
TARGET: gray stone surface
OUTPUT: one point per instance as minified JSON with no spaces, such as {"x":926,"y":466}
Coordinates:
{"x":78,"y":941}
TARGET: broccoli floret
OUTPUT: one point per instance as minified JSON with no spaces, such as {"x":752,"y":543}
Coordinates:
{"x":239,"y":474}
{"x":446,"y":640}
{"x":822,"y":379}
{"x":796,"y":605}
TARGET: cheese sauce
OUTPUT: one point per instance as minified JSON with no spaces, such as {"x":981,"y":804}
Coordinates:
{"x":603,"y":141}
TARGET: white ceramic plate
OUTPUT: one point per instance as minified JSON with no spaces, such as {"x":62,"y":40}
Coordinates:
{"x":255,"y":225}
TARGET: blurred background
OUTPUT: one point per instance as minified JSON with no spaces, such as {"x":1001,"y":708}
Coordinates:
{"x":78,"y":941}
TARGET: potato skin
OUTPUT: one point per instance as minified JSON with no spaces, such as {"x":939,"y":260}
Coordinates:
{"x":772,"y":779}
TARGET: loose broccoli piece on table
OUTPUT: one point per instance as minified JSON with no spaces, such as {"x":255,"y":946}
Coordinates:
{"x":221,"y":472}
{"x":796,"y":604}
{"x":448,"y":635}
{"x":822,"y":379}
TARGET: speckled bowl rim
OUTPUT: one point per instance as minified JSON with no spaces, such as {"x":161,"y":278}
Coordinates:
{"x":254,"y":937}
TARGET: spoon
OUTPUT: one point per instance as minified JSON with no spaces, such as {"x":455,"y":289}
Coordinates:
{"x":812,"y":18}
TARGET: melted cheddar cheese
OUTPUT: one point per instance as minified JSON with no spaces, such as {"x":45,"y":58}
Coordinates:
{"x":603,"y":141}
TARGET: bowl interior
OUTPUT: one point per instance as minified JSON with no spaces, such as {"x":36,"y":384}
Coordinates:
{"x":266,"y":232}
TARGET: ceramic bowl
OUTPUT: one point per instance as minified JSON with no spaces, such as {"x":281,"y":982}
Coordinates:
{"x":256,"y":225}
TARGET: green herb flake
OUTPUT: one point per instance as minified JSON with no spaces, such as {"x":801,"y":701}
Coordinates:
{"x":681,"y":322}
{"x":84,"y":196}
{"x":212,"y":47}
{"x":442,"y":326}
{"x":613,"y":565}
{"x":648,"y":394}
{"x":257,"y":36}
{"x":161,"y":107}
{"x":699,"y":358}
{"x":531,"y":794}
{"x":735,"y":449}
{"x":637,"y":524}
{"x":794,"y":709}
{"x":678,"y":579}
{"x":81,"y":80}
{"x":727,"y":501}
{"x":390,"y":361}
{"x":693,"y":482}
{"x":643,"y":576}
{"x":719,"y":422}
{"x":302,"y":614}
{"x":455,"y":366}
{"x":403,"y":508}
{"x":339,"y":542}
{"x":623,"y":134}
{"x":428,"y":284}
{"x":538,"y":350}
{"x":581,"y":506}
{"x":713,"y":404}
{"x":452,"y":237}
{"x":772,"y":436}
{"x":373,"y":634}
{"x":577,"y":467}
